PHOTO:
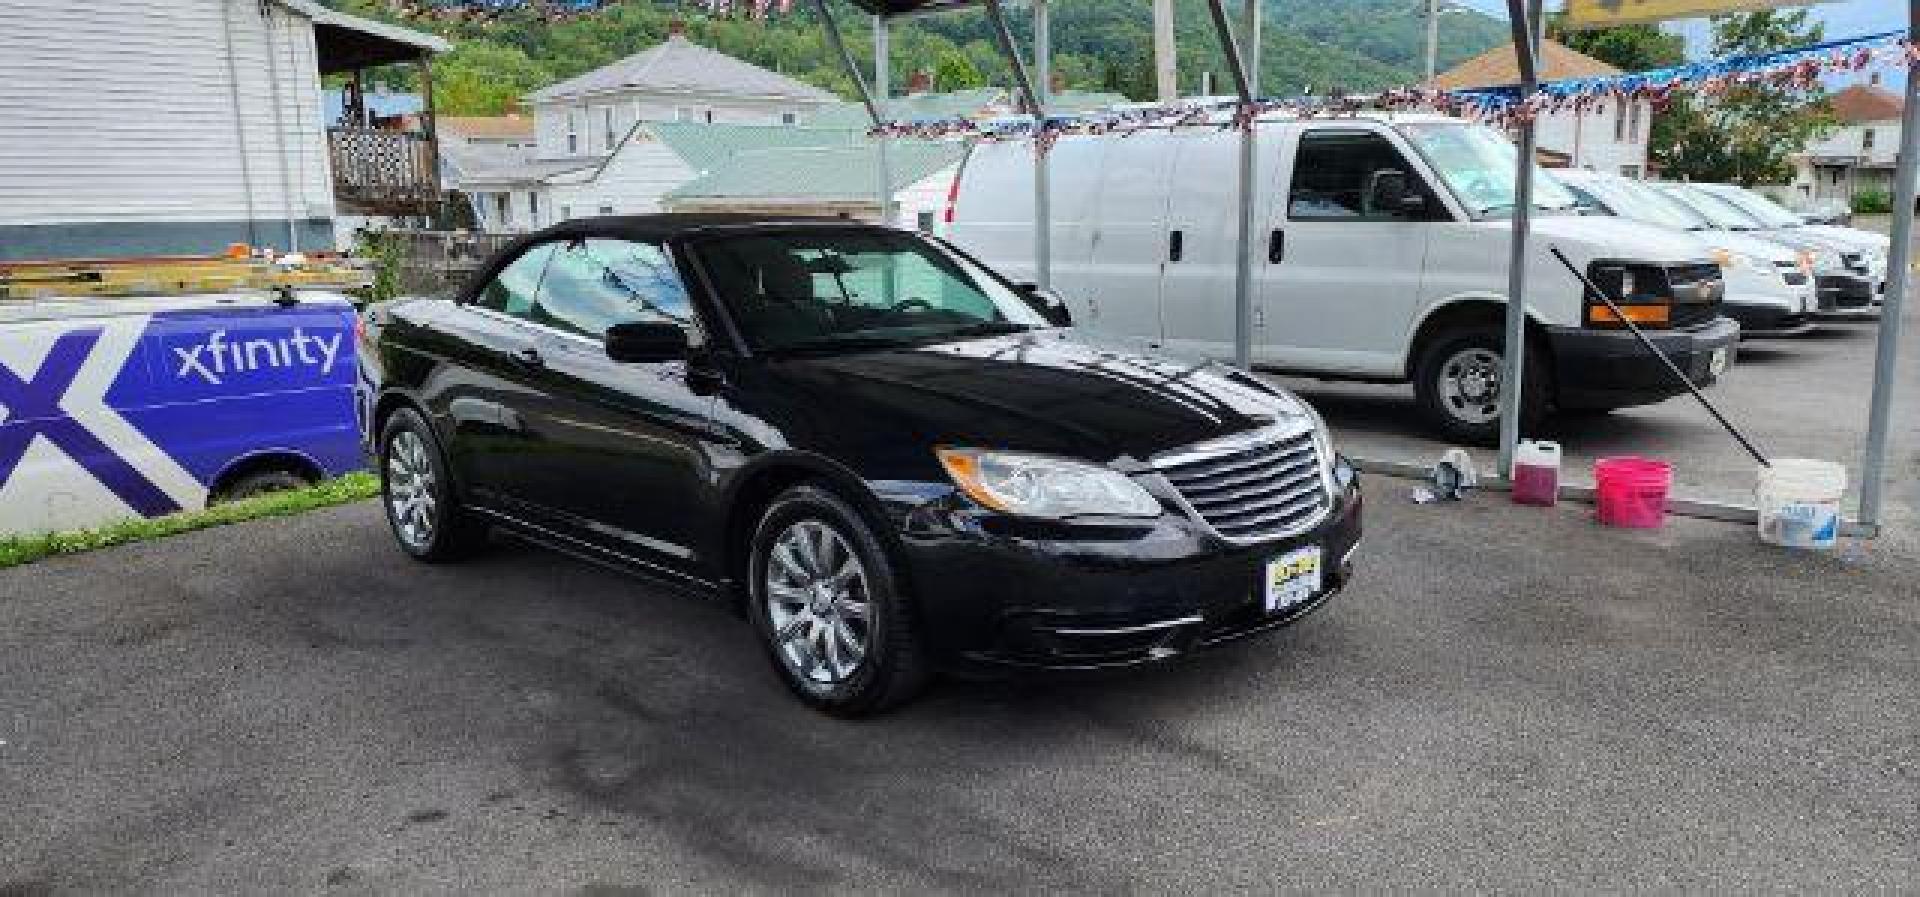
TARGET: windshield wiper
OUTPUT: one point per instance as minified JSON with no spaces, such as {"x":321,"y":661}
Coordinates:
{"x":838,"y":344}
{"x":987,"y":328}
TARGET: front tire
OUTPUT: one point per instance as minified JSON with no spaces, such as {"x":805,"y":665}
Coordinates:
{"x":1458,"y":385}
{"x":417,"y":493}
{"x":829,"y":608}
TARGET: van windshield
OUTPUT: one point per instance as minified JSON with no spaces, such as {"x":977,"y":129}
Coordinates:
{"x":830,"y":290}
{"x":1477,"y":164}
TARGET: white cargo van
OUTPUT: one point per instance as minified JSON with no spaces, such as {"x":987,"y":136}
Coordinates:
{"x":1381,"y":256}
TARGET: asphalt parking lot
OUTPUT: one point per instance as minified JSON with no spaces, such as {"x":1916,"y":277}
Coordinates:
{"x":1507,"y":698}
{"x":1802,"y":397}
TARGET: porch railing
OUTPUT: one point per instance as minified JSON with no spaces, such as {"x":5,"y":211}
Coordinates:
{"x":395,"y":172}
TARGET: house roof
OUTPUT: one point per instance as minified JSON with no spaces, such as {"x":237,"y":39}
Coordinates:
{"x":680,"y":65}
{"x":704,"y":147}
{"x":1864,"y":103}
{"x":345,"y":42}
{"x":820,"y":172}
{"x":1498,"y":67}
{"x":494,"y":126}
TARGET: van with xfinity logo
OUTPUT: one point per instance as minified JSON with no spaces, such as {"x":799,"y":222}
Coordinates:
{"x":1381,"y":255}
{"x":114,"y":408}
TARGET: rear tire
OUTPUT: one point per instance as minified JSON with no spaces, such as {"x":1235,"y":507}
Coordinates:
{"x":417,"y":493}
{"x":1457,"y":384}
{"x":835,"y":621}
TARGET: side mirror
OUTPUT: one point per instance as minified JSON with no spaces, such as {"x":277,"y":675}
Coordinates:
{"x":1047,"y":302}
{"x":646,"y":341}
{"x":1387,"y":191}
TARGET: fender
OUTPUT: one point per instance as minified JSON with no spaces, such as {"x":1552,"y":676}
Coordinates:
{"x":1475,"y":297}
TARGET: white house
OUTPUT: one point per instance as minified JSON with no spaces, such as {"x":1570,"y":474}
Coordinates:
{"x":1609,"y":137}
{"x":1858,"y":155}
{"x":677,"y":80}
{"x":154,"y":127}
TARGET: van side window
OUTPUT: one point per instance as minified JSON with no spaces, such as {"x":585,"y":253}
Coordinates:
{"x":1330,"y":174}
{"x":512,"y":290}
{"x":594,"y":284}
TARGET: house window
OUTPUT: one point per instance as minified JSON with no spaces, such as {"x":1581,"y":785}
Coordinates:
{"x":1630,"y":171}
{"x":566,"y":213}
{"x":573,"y":134}
{"x":606,"y":210}
{"x":533,"y":207}
{"x":925,"y":220}
{"x":503,"y":205}
{"x":1633,"y":121}
{"x":1620,"y":122}
{"x":612,"y":138}
{"x":1866,"y":140}
{"x":789,"y":118}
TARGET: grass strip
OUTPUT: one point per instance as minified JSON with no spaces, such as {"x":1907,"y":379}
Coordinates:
{"x":17,"y":550}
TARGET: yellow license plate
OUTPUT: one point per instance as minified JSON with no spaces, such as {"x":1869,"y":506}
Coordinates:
{"x":1293,"y":578}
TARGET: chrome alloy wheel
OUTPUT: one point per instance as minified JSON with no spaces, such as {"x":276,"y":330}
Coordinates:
{"x":1470,"y":385}
{"x":410,"y":501}
{"x":818,"y":603}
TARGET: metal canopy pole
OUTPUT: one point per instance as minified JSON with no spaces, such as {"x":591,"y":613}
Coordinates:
{"x":1525,"y":16}
{"x":839,"y":44}
{"x":1899,"y":280}
{"x":1243,"y":263}
{"x":882,"y":81}
{"x":1042,"y":174}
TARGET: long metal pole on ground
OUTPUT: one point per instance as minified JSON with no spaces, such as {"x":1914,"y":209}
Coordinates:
{"x":1899,"y":281}
{"x":1042,"y":174}
{"x":1525,"y":18}
{"x":882,"y":78}
{"x":1243,"y":267}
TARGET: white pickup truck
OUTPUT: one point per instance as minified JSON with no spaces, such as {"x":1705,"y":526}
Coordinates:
{"x":1382,"y":256}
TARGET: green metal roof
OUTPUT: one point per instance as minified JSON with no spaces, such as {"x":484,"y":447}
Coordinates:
{"x":819,"y":172}
{"x":705,"y":147}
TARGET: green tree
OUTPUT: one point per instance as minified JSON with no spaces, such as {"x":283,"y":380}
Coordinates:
{"x":481,"y":77}
{"x":1630,"y":48}
{"x":954,"y":71}
{"x":1745,"y":134}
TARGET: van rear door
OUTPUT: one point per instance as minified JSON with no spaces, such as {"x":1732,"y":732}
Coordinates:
{"x":1343,"y":278}
{"x":1196,"y":295}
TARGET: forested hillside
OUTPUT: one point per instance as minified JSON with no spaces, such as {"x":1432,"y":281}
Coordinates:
{"x":1317,"y":45}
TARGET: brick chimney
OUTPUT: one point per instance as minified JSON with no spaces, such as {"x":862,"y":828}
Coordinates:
{"x":1056,"y":84}
{"x":677,"y":27}
{"x":921,"y":81}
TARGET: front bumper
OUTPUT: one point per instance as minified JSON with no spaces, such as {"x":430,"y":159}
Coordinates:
{"x":1845,"y":296}
{"x":1013,"y":600}
{"x":1762,"y":317}
{"x":1610,"y":369}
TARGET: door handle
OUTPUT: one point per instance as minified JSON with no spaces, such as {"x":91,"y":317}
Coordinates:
{"x":1276,"y":247}
{"x":530,"y":357}
{"x":1176,"y":245}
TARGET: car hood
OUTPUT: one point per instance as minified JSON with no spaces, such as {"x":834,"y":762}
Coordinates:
{"x":1057,"y":391}
{"x":1747,"y":244}
{"x":1608,"y":237}
{"x":1858,"y":238}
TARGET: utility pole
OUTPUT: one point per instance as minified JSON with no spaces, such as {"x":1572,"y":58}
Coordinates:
{"x":1433,"y":39}
{"x":1166,"y":62}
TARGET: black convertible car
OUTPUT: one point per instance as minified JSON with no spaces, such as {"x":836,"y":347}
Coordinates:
{"x":894,"y":460}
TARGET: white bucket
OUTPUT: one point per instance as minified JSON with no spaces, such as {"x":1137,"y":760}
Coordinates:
{"x":1799,"y":502}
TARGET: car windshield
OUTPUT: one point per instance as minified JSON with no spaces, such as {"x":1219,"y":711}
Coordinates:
{"x":1477,"y":164}
{"x":1723,"y":215}
{"x":1769,"y":212}
{"x":835,"y":290}
{"x":1628,"y":199}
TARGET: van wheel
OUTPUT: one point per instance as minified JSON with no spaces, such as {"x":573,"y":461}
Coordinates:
{"x":1457,"y":383}
{"x":418,"y":494}
{"x":261,"y":482}
{"x":829,"y":609}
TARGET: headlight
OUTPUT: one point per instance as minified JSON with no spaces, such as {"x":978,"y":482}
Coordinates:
{"x":1045,"y":486}
{"x":1753,"y":263}
{"x":1826,"y":260}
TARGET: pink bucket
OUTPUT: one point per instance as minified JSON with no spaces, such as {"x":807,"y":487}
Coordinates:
{"x":1632,"y":492}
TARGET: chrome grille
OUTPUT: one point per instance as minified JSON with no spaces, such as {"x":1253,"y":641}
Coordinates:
{"x":1791,"y":273}
{"x":1255,"y":486}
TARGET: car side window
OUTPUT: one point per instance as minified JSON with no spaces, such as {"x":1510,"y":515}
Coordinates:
{"x":1332,"y":171}
{"x":594,"y":284}
{"x":512,"y":290}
